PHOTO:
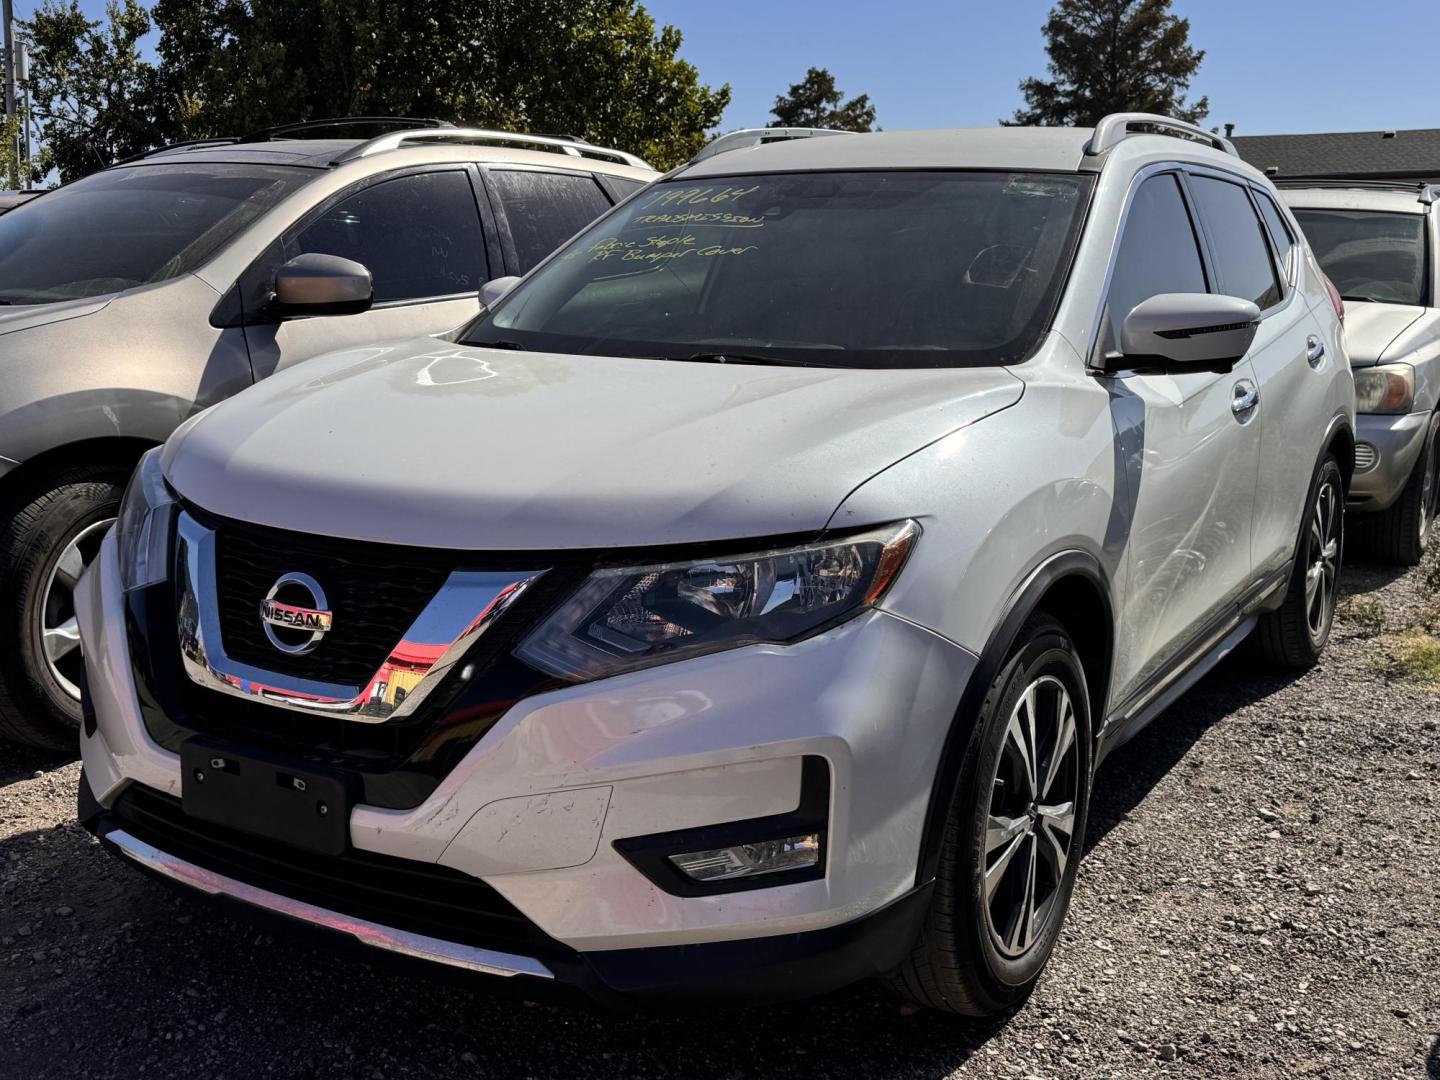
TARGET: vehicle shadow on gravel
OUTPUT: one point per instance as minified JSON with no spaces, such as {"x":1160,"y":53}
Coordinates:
{"x":1129,"y":774}
{"x":21,"y":762}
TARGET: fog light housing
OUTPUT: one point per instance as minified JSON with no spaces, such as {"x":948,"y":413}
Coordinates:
{"x":751,"y":860}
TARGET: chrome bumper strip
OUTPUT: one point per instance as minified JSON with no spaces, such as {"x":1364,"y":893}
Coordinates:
{"x":388,"y":938}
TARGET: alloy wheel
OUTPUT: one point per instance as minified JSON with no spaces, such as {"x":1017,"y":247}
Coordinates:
{"x":59,"y":628}
{"x":1322,"y":558}
{"x":1030,"y":831}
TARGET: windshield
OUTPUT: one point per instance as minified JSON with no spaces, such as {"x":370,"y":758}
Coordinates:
{"x":1369,"y":254}
{"x":858,"y":269}
{"x":127,"y":227}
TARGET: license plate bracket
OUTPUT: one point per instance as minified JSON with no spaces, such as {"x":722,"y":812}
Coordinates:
{"x":267,"y":796}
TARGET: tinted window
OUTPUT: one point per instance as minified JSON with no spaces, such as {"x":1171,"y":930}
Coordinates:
{"x":1158,"y":254}
{"x":545,"y":209}
{"x":859,"y":269}
{"x":1279,"y":231}
{"x":127,"y":227}
{"x":1242,"y":258}
{"x":1368,"y":254}
{"x":418,"y":235}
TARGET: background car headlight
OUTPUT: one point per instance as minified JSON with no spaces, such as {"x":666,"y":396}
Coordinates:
{"x":632,"y":617}
{"x":143,"y":529}
{"x":1389,"y":388}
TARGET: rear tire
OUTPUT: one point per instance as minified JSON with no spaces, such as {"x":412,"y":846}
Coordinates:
{"x":1402,"y":533}
{"x":977,"y":955}
{"x":1295,"y":634}
{"x":39,"y":654}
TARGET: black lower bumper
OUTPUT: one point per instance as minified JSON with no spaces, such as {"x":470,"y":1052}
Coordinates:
{"x":416,"y":901}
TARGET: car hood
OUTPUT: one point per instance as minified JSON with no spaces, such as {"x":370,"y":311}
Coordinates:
{"x":1370,"y":329}
{"x":30,"y":316}
{"x":440,"y":445}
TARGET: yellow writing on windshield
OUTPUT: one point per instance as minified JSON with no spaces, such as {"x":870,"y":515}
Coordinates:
{"x":656,"y":249}
{"x":695,"y":196}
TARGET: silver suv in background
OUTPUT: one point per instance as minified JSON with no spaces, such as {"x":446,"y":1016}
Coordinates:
{"x":1376,"y":240}
{"x":740,"y":606}
{"x":137,"y":296}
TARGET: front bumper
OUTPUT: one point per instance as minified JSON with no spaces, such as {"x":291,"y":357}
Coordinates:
{"x":535,"y":809}
{"x":1387,"y":448}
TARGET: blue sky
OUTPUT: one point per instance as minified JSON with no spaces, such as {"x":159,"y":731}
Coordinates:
{"x":1270,"y":66}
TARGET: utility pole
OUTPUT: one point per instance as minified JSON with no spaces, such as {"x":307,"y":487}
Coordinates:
{"x":22,"y":72}
{"x":7,"y":15}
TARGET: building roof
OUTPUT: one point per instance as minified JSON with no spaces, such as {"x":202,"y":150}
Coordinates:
{"x":1414,"y":153}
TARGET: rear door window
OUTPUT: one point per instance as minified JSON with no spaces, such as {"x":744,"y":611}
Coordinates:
{"x":418,"y":235}
{"x":1242,"y":258}
{"x":543,"y":210}
{"x":1159,"y":253}
{"x":1279,"y":231}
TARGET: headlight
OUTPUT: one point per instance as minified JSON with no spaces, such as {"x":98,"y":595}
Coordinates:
{"x":143,"y":529}
{"x":632,"y":617}
{"x":1386,"y":389}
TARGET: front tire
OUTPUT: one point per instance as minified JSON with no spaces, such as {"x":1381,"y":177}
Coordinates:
{"x":1401,"y":533}
{"x":1013,"y":835}
{"x":1295,"y":634}
{"x":46,"y":541}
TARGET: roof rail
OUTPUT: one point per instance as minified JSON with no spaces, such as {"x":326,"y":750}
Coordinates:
{"x":281,"y":130}
{"x":575,"y":148}
{"x":1427,"y":192}
{"x":739,"y":140}
{"x":187,"y":144}
{"x":1111,"y":130}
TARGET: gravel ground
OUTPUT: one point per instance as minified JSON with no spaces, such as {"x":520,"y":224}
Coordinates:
{"x":1259,"y":899}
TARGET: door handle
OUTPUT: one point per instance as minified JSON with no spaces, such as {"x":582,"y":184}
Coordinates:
{"x":1314,"y":350}
{"x":1247,"y":397}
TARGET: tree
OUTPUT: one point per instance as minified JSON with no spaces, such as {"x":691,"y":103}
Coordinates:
{"x":90,"y":90}
{"x":31,"y":171}
{"x":1113,"y":56}
{"x":815,"y":102}
{"x":597,"y":69}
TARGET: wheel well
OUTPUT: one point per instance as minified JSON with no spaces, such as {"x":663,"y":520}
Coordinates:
{"x":1079,"y":605}
{"x":1342,"y":445}
{"x":111,"y":451}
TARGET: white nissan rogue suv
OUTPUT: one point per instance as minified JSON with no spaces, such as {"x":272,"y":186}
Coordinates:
{"x":740,"y":607}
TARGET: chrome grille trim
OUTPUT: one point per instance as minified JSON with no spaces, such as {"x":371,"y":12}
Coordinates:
{"x":465,"y":607}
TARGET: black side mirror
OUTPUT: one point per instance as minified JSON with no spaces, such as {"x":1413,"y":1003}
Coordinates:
{"x":316,"y":284}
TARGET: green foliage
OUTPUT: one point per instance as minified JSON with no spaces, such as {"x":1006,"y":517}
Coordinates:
{"x":1113,"y":56}
{"x":90,"y":91}
{"x":815,"y":102}
{"x":1364,"y":613}
{"x":12,"y":162}
{"x":598,"y":69}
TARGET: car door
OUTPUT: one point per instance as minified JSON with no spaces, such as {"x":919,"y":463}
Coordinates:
{"x":1293,"y":365}
{"x":421,"y":236}
{"x":1192,"y":454}
{"x":537,"y":210}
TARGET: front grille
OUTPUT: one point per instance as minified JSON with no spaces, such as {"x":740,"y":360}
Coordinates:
{"x":1365,"y":457}
{"x":375,"y":592}
{"x":419,"y":897}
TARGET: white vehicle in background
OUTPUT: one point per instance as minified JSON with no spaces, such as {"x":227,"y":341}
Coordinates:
{"x":1376,"y":241}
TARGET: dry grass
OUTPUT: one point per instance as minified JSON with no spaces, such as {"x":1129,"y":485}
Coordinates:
{"x":1365,"y":614}
{"x":1415,"y":657}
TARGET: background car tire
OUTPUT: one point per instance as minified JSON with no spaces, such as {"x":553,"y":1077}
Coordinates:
{"x":957,"y":965}
{"x":1402,"y":533}
{"x":1292,"y":636}
{"x":35,"y":531}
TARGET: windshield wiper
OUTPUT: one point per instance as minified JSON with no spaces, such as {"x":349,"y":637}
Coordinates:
{"x":1363,"y":299}
{"x":502,"y":344}
{"x":744,"y":358}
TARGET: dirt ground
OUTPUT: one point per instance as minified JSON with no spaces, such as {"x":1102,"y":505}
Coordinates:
{"x":1260,"y":898}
